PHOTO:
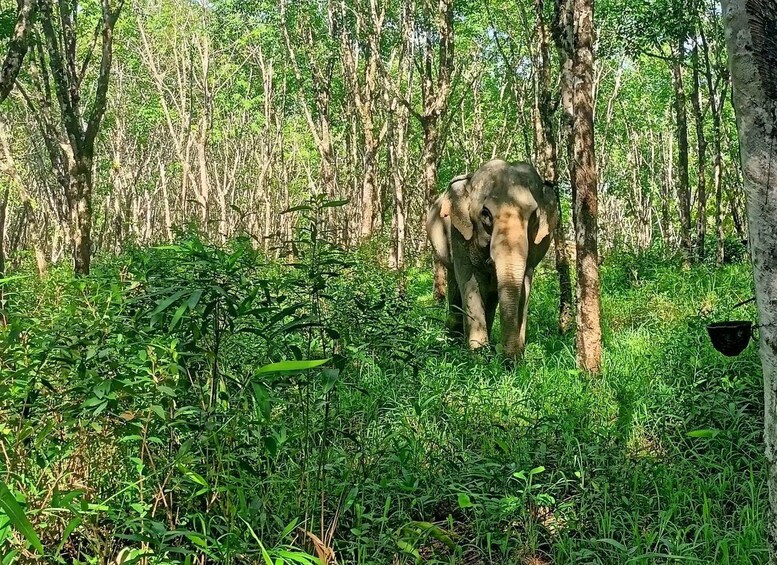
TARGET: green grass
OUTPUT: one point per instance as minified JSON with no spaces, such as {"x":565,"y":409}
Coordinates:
{"x":407,"y":448}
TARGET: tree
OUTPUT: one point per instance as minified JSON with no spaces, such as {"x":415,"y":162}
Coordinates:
{"x":752,"y":53}
{"x":70,"y":133}
{"x":574,"y":37}
{"x":17,"y":48}
{"x":697,"y":103}
{"x":428,"y":33}
{"x":661,"y":29}
{"x":364,"y":41}
{"x":547,"y":156}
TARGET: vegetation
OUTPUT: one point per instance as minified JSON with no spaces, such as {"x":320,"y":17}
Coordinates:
{"x":220,"y":331}
{"x":154,"y":408}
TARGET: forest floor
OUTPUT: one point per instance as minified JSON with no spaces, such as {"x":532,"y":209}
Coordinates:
{"x":140,"y":417}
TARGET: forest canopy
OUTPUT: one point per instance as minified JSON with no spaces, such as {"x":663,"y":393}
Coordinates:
{"x":221,"y":114}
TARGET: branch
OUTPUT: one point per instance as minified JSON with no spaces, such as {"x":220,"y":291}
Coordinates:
{"x":109,"y":18}
{"x":61,"y":87}
{"x":17,"y":48}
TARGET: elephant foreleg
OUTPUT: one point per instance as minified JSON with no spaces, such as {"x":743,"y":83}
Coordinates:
{"x":492,"y":301}
{"x":472,"y":296}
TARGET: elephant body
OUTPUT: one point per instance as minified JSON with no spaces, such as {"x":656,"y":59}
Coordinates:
{"x":490,"y":230}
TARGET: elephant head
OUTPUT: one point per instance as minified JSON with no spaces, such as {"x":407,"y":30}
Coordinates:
{"x":506,"y":213}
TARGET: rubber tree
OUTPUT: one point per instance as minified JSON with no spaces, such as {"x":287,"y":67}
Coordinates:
{"x":68,"y":119}
{"x":752,"y":50}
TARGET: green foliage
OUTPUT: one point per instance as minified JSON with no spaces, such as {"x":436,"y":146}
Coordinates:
{"x":192,"y":400}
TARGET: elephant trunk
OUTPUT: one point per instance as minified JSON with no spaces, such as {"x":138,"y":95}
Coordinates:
{"x":509,"y":251}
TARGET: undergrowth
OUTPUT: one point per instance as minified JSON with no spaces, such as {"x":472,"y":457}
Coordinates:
{"x":168,"y":409}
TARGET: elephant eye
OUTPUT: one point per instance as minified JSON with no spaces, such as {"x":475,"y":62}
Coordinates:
{"x":486,"y":217}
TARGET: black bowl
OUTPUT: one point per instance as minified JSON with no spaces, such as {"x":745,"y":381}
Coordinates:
{"x":730,"y":338}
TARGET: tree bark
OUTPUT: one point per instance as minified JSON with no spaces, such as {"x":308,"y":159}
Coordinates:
{"x":547,"y":162}
{"x":701,"y":175}
{"x":70,"y":133}
{"x":667,"y":184}
{"x":681,"y":124}
{"x":583,"y":176}
{"x":749,"y":29}
{"x":80,"y":205}
{"x":717,"y":90}
{"x":17,"y":47}
{"x":3,"y":208}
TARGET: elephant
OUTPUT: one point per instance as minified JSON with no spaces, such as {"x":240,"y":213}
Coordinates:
{"x":490,"y":230}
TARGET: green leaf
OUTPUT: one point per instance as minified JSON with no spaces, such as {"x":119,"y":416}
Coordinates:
{"x":703,"y":433}
{"x":158,"y":410}
{"x":296,"y":557}
{"x":167,"y":302}
{"x":265,"y":555}
{"x":288,"y":529}
{"x":196,"y":540}
{"x":302,"y":207}
{"x":436,"y":532}
{"x":407,"y":548}
{"x":335,"y":203}
{"x":71,"y":526}
{"x":17,"y":517}
{"x":194,"y":299}
{"x":193,"y":476}
{"x":464,"y":501}
{"x":288,"y":366}
{"x":179,"y":312}
{"x":537,"y":470}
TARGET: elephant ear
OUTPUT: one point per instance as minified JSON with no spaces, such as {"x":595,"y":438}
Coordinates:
{"x":456,"y":205}
{"x":547,"y":212}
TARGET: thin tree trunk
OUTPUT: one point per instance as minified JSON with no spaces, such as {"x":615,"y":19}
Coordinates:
{"x":545,"y":144}
{"x":749,"y":27}
{"x":717,"y":98}
{"x":681,"y":123}
{"x":3,"y":208}
{"x":701,"y":175}
{"x":717,"y":175}
{"x":667,"y":184}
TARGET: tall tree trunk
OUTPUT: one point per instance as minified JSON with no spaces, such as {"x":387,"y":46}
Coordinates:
{"x":681,"y":123}
{"x":584,"y":190}
{"x":3,"y":208}
{"x":80,"y":206}
{"x":667,"y":184}
{"x":749,"y":26}
{"x":717,"y":98}
{"x":397,"y":158}
{"x":717,"y":175}
{"x":701,"y":145}
{"x":545,"y":144}
{"x":70,"y":133}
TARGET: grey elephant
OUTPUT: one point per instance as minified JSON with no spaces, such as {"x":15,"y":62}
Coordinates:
{"x":490,"y":230}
